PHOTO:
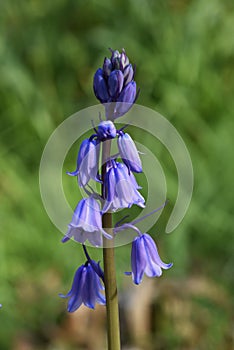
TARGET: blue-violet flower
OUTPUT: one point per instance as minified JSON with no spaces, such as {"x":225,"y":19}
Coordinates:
{"x":129,"y":153}
{"x":145,"y":259}
{"x":87,"y":162}
{"x":86,"y":287}
{"x":86,"y":223}
{"x":120,"y":188}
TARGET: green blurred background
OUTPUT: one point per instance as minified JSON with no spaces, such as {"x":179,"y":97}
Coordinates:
{"x":184,"y":52}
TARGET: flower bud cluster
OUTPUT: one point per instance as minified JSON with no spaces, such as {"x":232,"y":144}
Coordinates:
{"x":114,"y":83}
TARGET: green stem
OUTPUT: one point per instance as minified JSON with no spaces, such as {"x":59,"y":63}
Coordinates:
{"x":112,"y":306}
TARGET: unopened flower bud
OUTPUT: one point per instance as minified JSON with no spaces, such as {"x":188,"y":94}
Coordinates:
{"x":124,"y":61}
{"x":115,"y":59}
{"x":128,"y":74}
{"x":106,"y":130}
{"x":100,"y":86}
{"x":107,"y":67}
{"x":115,"y":83}
{"x":125,"y":99}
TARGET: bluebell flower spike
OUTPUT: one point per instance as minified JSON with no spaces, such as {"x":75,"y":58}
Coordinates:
{"x":86,"y":288}
{"x":145,"y":259}
{"x":129,"y":153}
{"x":86,"y":223}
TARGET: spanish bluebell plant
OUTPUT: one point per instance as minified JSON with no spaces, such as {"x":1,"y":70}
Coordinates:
{"x":115,"y":87}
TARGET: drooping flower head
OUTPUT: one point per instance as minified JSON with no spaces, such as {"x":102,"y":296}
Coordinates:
{"x":87,"y":162}
{"x":145,"y":259}
{"x":114,"y":83}
{"x":86,"y":223}
{"x":86,"y":287}
{"x":129,"y":153}
{"x":120,"y":188}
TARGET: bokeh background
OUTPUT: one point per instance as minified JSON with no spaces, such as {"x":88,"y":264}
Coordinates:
{"x":184,"y":52}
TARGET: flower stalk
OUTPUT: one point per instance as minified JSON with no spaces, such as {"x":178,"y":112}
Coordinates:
{"x":112,"y":308}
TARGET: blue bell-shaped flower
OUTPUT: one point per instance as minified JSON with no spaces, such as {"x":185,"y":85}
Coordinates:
{"x":86,"y":288}
{"x":86,"y":223}
{"x":87,"y":162}
{"x":120,"y":188}
{"x":129,"y":153}
{"x":145,"y":259}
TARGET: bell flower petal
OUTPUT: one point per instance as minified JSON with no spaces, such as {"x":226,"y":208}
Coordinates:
{"x":129,"y":153}
{"x":86,"y":223}
{"x":120,"y":188}
{"x":87,"y":162}
{"x":86,"y":288}
{"x":145,"y":259}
